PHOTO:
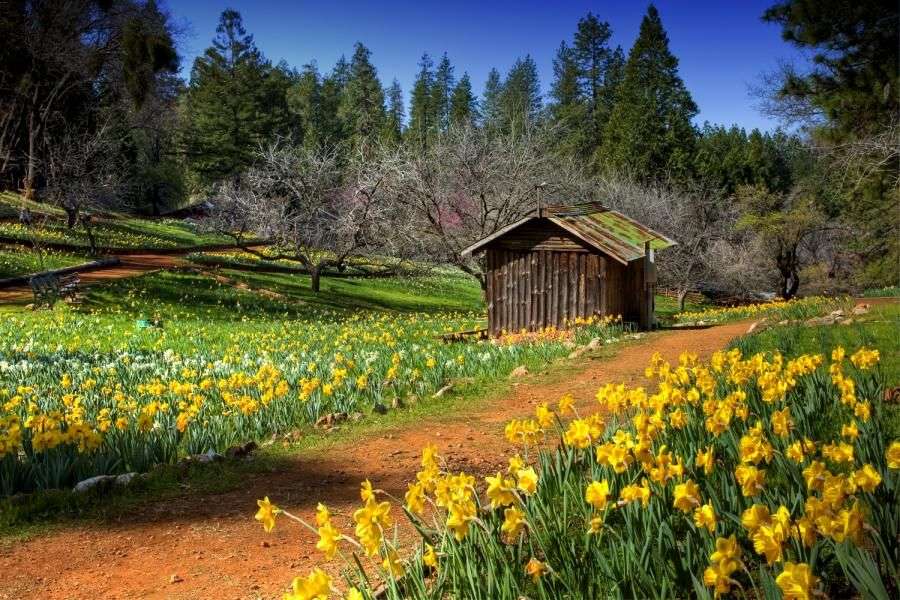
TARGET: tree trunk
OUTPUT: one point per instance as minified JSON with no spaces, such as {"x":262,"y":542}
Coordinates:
{"x":89,"y":230}
{"x":315,"y":275}
{"x":682,"y":298}
{"x":790,"y":277}
{"x":31,"y":166}
{"x":71,"y":216}
{"x":790,"y":283}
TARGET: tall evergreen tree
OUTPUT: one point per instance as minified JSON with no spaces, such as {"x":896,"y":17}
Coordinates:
{"x":332,"y":130}
{"x":362,"y":104}
{"x":393,"y":123}
{"x":586,"y":75}
{"x":650,"y":131}
{"x":568,"y":108}
{"x":490,"y":106}
{"x":614,"y":73}
{"x":421,"y":111}
{"x":727,"y":158}
{"x":520,"y":101}
{"x":592,"y":54}
{"x":441,"y":92}
{"x":463,"y":103}
{"x":304,"y":102}
{"x":849,"y":98}
{"x":229,"y":104}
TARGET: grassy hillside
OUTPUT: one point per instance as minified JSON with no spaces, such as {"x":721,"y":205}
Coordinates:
{"x":111,"y":231}
{"x":15,"y":261}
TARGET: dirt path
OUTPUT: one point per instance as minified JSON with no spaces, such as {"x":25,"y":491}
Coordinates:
{"x":217,"y":550}
{"x":129,"y":266}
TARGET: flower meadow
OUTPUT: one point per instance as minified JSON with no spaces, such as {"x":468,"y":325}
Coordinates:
{"x":88,"y":393}
{"x":794,"y":309}
{"x":757,"y":476}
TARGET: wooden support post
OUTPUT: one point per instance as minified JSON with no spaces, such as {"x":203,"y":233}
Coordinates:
{"x":647,"y":308}
{"x":603,"y":286}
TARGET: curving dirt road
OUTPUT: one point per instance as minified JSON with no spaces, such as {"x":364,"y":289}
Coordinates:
{"x":210,"y":546}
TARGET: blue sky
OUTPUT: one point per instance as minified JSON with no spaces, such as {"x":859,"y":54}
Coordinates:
{"x":722,"y":46}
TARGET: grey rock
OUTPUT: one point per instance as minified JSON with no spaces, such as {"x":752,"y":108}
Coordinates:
{"x":96,"y":482}
{"x":520,"y":371}
{"x":209,"y":457}
{"x":125,"y":479}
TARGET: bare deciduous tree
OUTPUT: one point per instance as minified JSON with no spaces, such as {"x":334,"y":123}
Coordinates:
{"x":316,"y":213}
{"x":84,"y":178}
{"x":791,"y":227}
{"x":695,"y":217}
{"x":470,"y":183}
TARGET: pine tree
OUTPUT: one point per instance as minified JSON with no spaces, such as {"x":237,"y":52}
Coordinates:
{"x":229,"y":104}
{"x":586,"y":76}
{"x":305,"y":104}
{"x":393,"y":123}
{"x":568,"y":109}
{"x":520,"y":101}
{"x":441,"y":92}
{"x":490,"y":106}
{"x":421,"y":111}
{"x":331,"y":128}
{"x":463,"y":104}
{"x":591,"y":54}
{"x":650,"y":132}
{"x":362,"y":104}
{"x":614,"y":73}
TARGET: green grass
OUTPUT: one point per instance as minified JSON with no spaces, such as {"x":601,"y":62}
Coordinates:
{"x":11,"y":203}
{"x":111,"y":231}
{"x":15,"y":261}
{"x":892,"y":291}
{"x":184,"y":294}
{"x":667,"y":307}
{"x":129,"y":233}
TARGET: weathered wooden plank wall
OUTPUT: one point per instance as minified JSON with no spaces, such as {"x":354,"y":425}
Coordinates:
{"x":540,"y":277}
{"x":533,"y":290}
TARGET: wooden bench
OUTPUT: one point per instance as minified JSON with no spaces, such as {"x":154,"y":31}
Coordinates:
{"x":462,"y":336}
{"x":49,"y":288}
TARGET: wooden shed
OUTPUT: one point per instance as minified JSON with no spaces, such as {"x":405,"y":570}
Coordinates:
{"x":565,"y":262}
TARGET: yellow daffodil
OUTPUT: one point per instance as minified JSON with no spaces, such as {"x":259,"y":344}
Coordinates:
{"x":535,"y":569}
{"x":597,"y":494}
{"x":527,"y":480}
{"x":266,"y":513}
{"x":328,"y":539}
{"x":892,"y":455}
{"x":429,"y":557}
{"x":705,"y":460}
{"x":796,"y":581}
{"x":705,"y":516}
{"x":513,"y":522}
{"x":315,"y":586}
{"x":686,"y":496}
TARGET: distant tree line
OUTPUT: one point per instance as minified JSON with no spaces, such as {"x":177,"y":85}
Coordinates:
{"x":817,"y":206}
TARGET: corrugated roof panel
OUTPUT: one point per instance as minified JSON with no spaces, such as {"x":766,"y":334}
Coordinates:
{"x":595,"y":234}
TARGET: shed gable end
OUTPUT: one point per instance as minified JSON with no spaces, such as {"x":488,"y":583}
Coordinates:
{"x":540,"y":234}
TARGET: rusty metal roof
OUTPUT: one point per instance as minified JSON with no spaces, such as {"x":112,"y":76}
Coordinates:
{"x":609,"y":231}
